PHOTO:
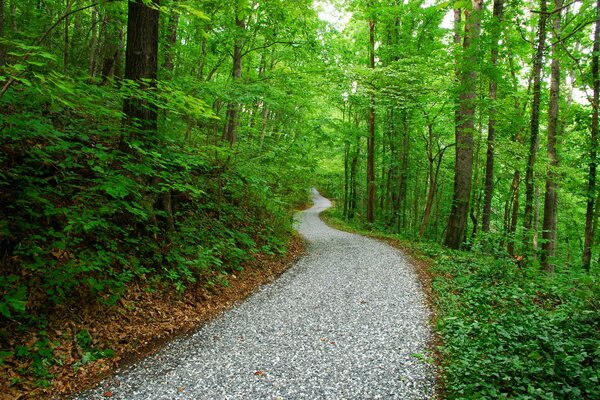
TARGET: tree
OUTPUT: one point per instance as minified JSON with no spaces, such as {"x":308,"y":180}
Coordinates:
{"x":538,"y":60}
{"x":551,"y":195}
{"x":591,"y":191}
{"x":493,"y":88}
{"x":371,"y":137}
{"x":231,"y":123}
{"x":141,"y":62}
{"x":463,"y":168}
{"x":2,"y":51}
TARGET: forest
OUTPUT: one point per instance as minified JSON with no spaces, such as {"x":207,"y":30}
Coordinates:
{"x":158,"y":147}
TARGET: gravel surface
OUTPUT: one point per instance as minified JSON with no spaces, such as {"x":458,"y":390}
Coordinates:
{"x":345,"y":322}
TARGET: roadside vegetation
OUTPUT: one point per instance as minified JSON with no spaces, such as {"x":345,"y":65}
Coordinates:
{"x":504,"y":330}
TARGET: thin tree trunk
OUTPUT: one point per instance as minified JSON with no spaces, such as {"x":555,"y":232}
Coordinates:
{"x":491,"y":139}
{"x":94,"y":43}
{"x":463,"y":169}
{"x":536,"y":223}
{"x":346,"y":177}
{"x":433,"y":179}
{"x":230,"y":132}
{"x":514,"y":212}
{"x":202,"y":62}
{"x":535,"y":125}
{"x":371,"y":137}
{"x":589,"y":215}
{"x":171,"y":40}
{"x":551,"y":196}
{"x":66,"y":38}
{"x":415,"y":207}
{"x":353,"y":180}
{"x":475,"y":201}
{"x":2,"y":51}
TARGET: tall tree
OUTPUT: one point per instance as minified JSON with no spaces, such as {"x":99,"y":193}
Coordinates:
{"x":535,"y":124}
{"x":231,"y":123}
{"x":463,"y":167}
{"x":2,"y":55}
{"x":551,"y":195}
{"x":591,"y":194}
{"x":491,"y":139}
{"x":371,"y":137}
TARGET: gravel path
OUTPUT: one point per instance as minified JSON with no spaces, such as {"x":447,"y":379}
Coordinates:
{"x":345,"y":322}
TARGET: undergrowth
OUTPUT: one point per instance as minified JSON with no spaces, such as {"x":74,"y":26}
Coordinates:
{"x":83,"y":216}
{"x":508,"y":331}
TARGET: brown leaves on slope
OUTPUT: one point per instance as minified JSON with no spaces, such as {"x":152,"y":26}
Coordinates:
{"x":141,"y":323}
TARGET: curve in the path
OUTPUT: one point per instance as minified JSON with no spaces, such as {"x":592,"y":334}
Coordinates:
{"x":345,"y":322}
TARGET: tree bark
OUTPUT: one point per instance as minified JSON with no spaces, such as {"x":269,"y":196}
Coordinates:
{"x":66,"y":38}
{"x":371,"y":137}
{"x":551,"y":195}
{"x":353,"y":203}
{"x":230,"y":131}
{"x":346,"y":177}
{"x":512,"y":227}
{"x":2,"y":51}
{"x":463,"y":169}
{"x":535,"y":125}
{"x":141,"y":63}
{"x":93,"y":44}
{"x":491,"y":139}
{"x":434,"y":171}
{"x":589,"y":215}
{"x":171,"y":40}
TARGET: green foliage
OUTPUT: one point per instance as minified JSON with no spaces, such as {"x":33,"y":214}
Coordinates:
{"x":90,"y":354}
{"x":510,"y":332}
{"x":38,"y":356}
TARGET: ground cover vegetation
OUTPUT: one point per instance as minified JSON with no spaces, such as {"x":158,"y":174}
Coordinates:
{"x":469,"y":131}
{"x":161,"y":145}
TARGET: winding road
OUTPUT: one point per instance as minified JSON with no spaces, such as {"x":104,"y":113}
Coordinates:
{"x":347,"y":321}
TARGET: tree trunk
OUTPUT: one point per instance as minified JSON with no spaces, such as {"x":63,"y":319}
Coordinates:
{"x":551,"y":196}
{"x":2,"y":51}
{"x":202,"y":63}
{"x":353,"y":204}
{"x":141,"y":63}
{"x":66,"y":38}
{"x":171,"y":40}
{"x":535,"y":125}
{"x":230,"y":132}
{"x":93,"y":44}
{"x":346,"y":177}
{"x":371,"y":137}
{"x":489,"y":167}
{"x":463,"y":169}
{"x":512,"y":227}
{"x":475,"y":201}
{"x":433,"y":179}
{"x":589,"y":215}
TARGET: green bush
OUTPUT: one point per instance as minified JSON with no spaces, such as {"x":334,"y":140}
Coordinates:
{"x":510,"y":332}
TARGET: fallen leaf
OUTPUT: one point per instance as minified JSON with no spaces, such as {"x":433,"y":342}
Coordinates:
{"x":108,"y":394}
